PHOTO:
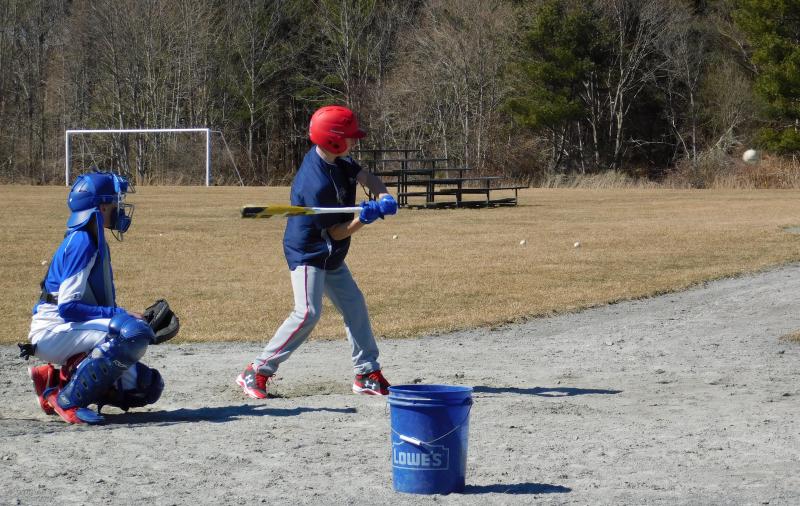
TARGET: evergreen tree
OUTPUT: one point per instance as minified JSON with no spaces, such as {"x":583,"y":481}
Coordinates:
{"x":773,"y":30}
{"x":556,"y":56}
{"x":561,"y":49}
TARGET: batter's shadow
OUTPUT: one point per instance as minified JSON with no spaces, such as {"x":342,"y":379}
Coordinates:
{"x":517,"y":489}
{"x":545,"y":391}
{"x":217,"y":414}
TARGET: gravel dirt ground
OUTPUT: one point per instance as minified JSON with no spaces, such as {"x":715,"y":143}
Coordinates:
{"x":686,"y":398}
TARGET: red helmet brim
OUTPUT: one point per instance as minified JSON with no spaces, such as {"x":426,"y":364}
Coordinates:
{"x":358,"y":134}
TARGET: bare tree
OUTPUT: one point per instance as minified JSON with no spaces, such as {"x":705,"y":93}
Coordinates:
{"x":8,"y":22}
{"x":349,"y":28}
{"x":449,"y":79}
{"x":35,"y":36}
{"x":638,"y":26}
{"x":729,"y":105}
{"x":685,"y":49}
{"x":261,"y":56}
{"x":151,"y":66}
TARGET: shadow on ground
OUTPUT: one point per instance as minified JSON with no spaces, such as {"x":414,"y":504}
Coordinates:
{"x":218,"y":414}
{"x":517,"y":488}
{"x":544,"y":391}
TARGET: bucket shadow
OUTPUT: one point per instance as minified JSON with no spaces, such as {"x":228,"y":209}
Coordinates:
{"x":218,"y":414}
{"x":545,"y":391}
{"x":517,"y":489}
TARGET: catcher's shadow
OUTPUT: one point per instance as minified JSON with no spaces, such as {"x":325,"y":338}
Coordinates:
{"x":217,"y":414}
{"x":544,"y":391}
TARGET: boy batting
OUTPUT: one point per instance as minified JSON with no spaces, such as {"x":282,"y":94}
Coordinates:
{"x":315,"y":247}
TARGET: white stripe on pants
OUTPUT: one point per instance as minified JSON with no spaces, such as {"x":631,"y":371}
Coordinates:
{"x":309,"y":284}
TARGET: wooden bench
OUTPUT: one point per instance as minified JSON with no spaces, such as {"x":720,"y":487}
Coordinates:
{"x":381,"y":151}
{"x":410,"y":172}
{"x":459,"y":191}
{"x":406,"y":158}
{"x":486,"y":191}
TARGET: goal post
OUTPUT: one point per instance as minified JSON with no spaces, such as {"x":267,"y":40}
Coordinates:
{"x":68,"y":133}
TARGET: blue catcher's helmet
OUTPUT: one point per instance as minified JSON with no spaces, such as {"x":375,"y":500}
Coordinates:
{"x":95,"y":188}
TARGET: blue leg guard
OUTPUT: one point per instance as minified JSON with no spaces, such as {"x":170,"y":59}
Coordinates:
{"x":149,"y":385}
{"x":126,"y":343}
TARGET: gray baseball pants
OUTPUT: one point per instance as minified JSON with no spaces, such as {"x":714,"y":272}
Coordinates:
{"x":309,"y":284}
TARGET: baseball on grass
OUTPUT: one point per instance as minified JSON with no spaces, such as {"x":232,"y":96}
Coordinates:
{"x":750,"y":156}
{"x":577,"y":244}
{"x":523,"y":242}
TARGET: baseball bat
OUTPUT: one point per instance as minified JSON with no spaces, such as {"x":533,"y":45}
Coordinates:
{"x":252,"y":211}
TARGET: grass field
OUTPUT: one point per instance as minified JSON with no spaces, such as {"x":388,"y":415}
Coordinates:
{"x":447,"y":269}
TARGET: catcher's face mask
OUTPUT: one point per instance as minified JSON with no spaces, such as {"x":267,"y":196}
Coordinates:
{"x":122,"y":217}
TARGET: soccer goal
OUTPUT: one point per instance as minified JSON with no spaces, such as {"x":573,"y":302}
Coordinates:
{"x":70,"y":133}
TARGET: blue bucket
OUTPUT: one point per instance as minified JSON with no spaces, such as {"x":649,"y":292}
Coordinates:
{"x":429,"y":437}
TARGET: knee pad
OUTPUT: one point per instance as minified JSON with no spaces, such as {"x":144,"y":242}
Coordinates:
{"x":149,"y":385}
{"x":127,"y":341}
{"x":127,"y":328}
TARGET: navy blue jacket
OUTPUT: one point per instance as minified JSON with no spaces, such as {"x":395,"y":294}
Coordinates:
{"x":320,"y":184}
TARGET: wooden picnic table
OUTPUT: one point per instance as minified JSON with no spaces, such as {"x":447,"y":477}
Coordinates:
{"x":422,"y":171}
{"x":418,"y":159}
{"x":401,"y":181}
{"x":404,"y":177}
{"x":433,"y":186}
{"x":419,"y":171}
{"x":457,"y":188}
{"x":404,"y":163}
{"x":377,"y":155}
{"x":388,"y":150}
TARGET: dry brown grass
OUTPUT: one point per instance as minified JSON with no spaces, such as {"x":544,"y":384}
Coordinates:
{"x":770,"y":172}
{"x":606,"y":180}
{"x":792,"y":337}
{"x":718,"y":170}
{"x":448,"y":269}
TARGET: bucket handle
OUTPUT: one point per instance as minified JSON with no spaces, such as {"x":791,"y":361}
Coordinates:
{"x":419,"y":443}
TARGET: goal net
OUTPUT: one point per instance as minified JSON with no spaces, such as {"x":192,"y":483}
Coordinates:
{"x":149,"y":155}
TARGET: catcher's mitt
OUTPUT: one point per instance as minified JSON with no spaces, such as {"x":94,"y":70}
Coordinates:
{"x":162,"y":320}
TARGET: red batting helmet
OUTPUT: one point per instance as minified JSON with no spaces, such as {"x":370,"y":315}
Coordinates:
{"x":331,"y":125}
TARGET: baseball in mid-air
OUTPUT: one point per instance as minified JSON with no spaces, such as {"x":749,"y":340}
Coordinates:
{"x":751,"y":156}
{"x":577,"y":244}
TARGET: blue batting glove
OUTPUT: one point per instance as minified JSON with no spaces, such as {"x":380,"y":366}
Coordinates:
{"x":388,"y":205}
{"x":370,"y":211}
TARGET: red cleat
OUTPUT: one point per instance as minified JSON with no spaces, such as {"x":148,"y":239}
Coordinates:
{"x":253,"y":383}
{"x":43,"y":377}
{"x":372,"y":383}
{"x":74,"y":415}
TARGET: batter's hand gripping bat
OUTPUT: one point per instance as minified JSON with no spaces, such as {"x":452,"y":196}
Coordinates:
{"x":251,"y":211}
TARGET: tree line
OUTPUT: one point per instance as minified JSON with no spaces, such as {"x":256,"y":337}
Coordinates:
{"x":522,"y":88}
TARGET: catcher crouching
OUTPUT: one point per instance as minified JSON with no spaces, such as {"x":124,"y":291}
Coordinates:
{"x":77,"y":324}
